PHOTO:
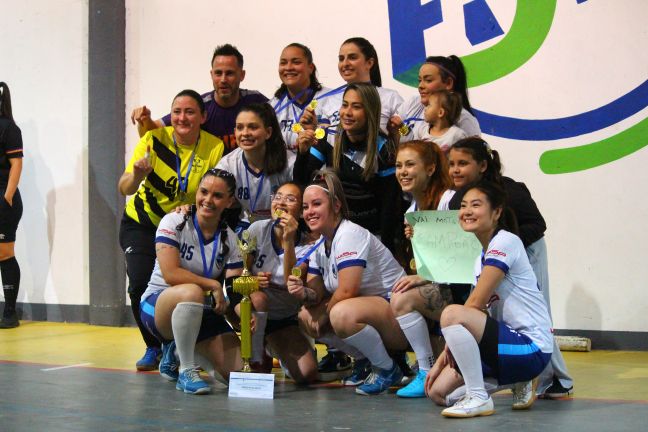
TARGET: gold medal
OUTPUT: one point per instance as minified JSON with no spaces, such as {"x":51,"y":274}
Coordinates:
{"x":413,"y":264}
{"x":319,"y":133}
{"x":182,"y":196}
{"x":297,"y":127}
{"x":296,"y":271}
{"x":278,"y":213}
{"x":313,"y":104}
{"x":403,"y":130}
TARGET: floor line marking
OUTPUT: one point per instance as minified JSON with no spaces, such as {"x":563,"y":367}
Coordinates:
{"x":65,"y":367}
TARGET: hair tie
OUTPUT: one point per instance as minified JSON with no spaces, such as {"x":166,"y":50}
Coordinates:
{"x":318,"y":186}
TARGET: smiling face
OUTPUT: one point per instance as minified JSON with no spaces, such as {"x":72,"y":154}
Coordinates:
{"x":186,"y":119}
{"x":288,"y":198}
{"x":411,"y":172}
{"x":294,"y":69}
{"x":250,"y":132}
{"x":226,"y":76}
{"x":464,"y":169}
{"x":353,"y":65}
{"x":477,"y":214}
{"x":319,"y":214}
{"x":430,"y":81}
{"x":212,"y":198}
{"x":353,"y":116}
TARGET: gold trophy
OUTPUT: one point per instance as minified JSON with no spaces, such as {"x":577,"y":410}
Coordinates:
{"x":245,"y":285}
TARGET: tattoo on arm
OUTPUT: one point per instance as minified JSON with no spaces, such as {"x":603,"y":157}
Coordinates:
{"x":309,"y":296}
{"x":160,"y":246}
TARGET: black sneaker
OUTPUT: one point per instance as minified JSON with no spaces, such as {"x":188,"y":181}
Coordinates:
{"x":335,"y":365}
{"x":557,"y":391}
{"x":400,"y":357}
{"x":9,"y":322}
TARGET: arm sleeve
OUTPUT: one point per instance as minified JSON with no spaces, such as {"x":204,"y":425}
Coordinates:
{"x":503,"y":251}
{"x":166,"y":232}
{"x":12,"y":141}
{"x":352,"y":248}
{"x":530,"y":222}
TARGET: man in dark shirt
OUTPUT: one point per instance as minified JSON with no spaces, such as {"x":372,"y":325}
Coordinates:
{"x":222,"y":104}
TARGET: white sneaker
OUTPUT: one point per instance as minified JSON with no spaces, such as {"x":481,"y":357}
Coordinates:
{"x":470,"y":406}
{"x":524,"y":394}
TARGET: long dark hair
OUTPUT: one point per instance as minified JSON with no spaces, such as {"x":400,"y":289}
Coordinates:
{"x":481,"y":151}
{"x":369,"y":52}
{"x":451,"y":67}
{"x":5,"y":101}
{"x":313,"y":83}
{"x":276,"y":157}
{"x":497,"y":197}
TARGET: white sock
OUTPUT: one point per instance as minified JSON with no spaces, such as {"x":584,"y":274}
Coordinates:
{"x":258,"y":337}
{"x":331,"y":340}
{"x":416,"y":331}
{"x":465,"y":351}
{"x":185,"y":321}
{"x":369,"y":343}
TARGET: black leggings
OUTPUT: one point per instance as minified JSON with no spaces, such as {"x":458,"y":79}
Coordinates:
{"x":138,"y":243}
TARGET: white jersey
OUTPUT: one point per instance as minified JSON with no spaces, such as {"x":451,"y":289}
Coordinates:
{"x":390,"y":102}
{"x":517,"y":300}
{"x":270,"y":258}
{"x":355,"y":246}
{"x":444,"y":202}
{"x":289,"y":112}
{"x":411,"y":112}
{"x":253,"y":190}
{"x":191,"y":254}
{"x":445,"y":141}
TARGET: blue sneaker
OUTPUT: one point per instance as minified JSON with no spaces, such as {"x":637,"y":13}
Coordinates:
{"x":169,"y":364}
{"x":149,"y":360}
{"x":416,"y":387}
{"x":189,"y":381}
{"x":360,"y":372}
{"x":380,"y":380}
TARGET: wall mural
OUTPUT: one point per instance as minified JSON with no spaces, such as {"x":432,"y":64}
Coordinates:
{"x":531,"y":25}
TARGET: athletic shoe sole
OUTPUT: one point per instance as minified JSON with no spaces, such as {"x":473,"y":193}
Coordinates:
{"x":527,"y":405}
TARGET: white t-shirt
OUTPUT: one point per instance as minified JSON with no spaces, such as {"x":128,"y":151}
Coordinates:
{"x":253,"y":190}
{"x":411,"y":112}
{"x":289,"y":112}
{"x":517,"y":301}
{"x":444,"y":202}
{"x":355,"y":246}
{"x":270,"y":258}
{"x":390,"y":102}
{"x":445,"y":141}
{"x":191,"y":257}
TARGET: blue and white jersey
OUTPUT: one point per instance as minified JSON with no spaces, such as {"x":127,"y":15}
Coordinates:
{"x":444,"y":202}
{"x":253,"y":189}
{"x":355,"y":246}
{"x":289,"y":112}
{"x":191,"y":257}
{"x":270,"y":258}
{"x":390,"y":102}
{"x":411,"y":112}
{"x":517,"y":301}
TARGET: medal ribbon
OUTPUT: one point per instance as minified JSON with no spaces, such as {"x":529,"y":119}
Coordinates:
{"x":304,"y":257}
{"x":182,"y":185}
{"x":201,"y":240}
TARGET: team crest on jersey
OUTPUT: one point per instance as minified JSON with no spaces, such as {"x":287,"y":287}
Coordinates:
{"x":198,"y":165}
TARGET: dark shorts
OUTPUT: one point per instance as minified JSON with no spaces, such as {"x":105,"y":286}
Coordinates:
{"x":276,"y":325}
{"x":9,"y":217}
{"x":211,"y":325}
{"x":510,"y":356}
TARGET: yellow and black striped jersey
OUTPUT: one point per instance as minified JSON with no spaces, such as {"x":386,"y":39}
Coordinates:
{"x":158,"y":193}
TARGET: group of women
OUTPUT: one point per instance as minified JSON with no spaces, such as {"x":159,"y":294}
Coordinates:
{"x":321,"y":178}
